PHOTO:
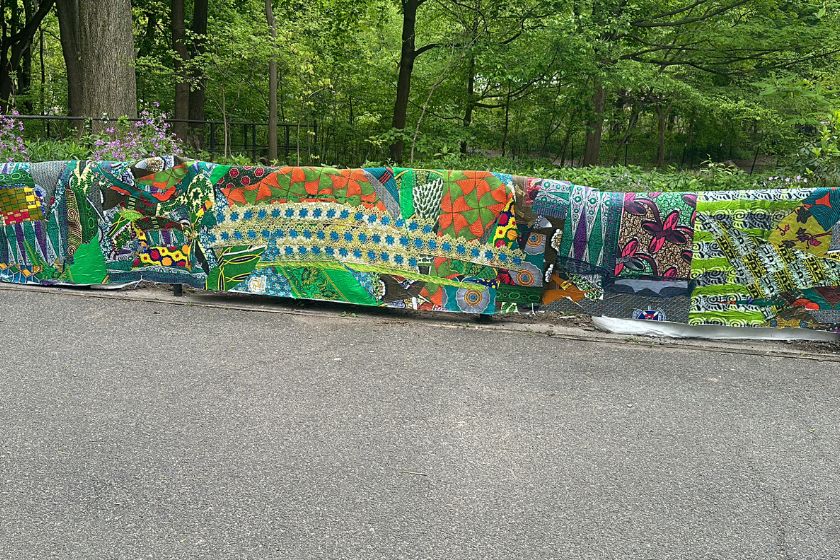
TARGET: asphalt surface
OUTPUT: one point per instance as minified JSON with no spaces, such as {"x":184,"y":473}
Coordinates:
{"x":145,"y":430}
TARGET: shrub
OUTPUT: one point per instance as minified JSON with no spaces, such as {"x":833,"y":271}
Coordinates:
{"x":711,"y":177}
{"x":821,"y":157}
{"x":131,"y":140}
{"x":12,"y":147}
{"x":56,"y":150}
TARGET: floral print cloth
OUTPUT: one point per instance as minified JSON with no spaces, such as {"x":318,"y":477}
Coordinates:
{"x":436,"y":240}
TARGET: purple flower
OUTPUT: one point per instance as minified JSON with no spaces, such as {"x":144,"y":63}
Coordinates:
{"x":134,"y":140}
{"x":12,"y":146}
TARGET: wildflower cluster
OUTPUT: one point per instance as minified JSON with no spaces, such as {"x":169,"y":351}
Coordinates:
{"x":783,"y":182}
{"x":131,"y":140}
{"x":12,"y":147}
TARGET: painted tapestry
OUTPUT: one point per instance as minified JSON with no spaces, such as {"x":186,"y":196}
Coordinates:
{"x":437,"y":240}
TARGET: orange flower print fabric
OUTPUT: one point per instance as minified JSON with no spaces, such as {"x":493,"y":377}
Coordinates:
{"x":471,"y":202}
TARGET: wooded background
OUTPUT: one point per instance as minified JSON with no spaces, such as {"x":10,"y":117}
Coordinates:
{"x":653,"y":82}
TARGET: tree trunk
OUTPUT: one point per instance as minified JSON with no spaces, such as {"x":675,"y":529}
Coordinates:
{"x":592,"y":151}
{"x":147,"y":40}
{"x":7,"y":87}
{"x":566,"y":140}
{"x":16,"y":36}
{"x":407,"y":57}
{"x":6,"y":67}
{"x":755,"y":156}
{"x":662,"y":121}
{"x":69,"y":29}
{"x":42,"y":67}
{"x":182,"y":84}
{"x":106,"y":46}
{"x":468,"y":112}
{"x":101,"y":65}
{"x":507,"y":123}
{"x":25,"y":79}
{"x":687,"y":147}
{"x":272,"y":86}
{"x":632,"y":121}
{"x":423,"y":114}
{"x":196,"y":103}
{"x":24,"y":72}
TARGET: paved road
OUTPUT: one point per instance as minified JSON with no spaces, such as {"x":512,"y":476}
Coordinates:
{"x":136,"y":429}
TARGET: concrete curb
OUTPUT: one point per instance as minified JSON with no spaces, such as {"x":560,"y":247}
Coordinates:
{"x":816,"y":351}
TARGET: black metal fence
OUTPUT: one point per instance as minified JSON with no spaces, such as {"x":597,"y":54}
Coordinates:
{"x":298,"y":143}
{"x":334,"y":144}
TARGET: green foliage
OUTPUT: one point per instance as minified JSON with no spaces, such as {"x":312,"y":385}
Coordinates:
{"x":821,"y":156}
{"x":57,"y":150}
{"x":728,"y":81}
{"x":710,"y":177}
{"x":747,"y":79}
{"x":232,"y":159}
{"x":615,"y":178}
{"x":128,"y":140}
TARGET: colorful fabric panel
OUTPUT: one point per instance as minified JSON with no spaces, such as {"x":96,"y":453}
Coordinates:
{"x":436,"y":240}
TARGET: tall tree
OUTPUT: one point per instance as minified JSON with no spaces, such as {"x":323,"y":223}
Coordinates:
{"x":182,"y":84}
{"x":594,"y":125}
{"x":723,"y":38}
{"x":70,"y":29}
{"x":16,"y":35}
{"x":470,"y":101}
{"x":491,"y":30}
{"x":531,"y":76}
{"x":408,"y":54}
{"x":198,"y":85}
{"x":272,"y":84}
{"x":98,"y":47}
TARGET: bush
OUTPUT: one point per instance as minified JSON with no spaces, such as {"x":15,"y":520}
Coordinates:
{"x":57,"y":150}
{"x":150,"y":136}
{"x":131,"y":140}
{"x":12,"y":147}
{"x":125,"y":141}
{"x":820,"y":158}
{"x":711,"y":177}
{"x":232,"y":159}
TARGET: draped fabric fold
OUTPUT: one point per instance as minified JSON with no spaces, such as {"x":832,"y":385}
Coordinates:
{"x":437,"y":240}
